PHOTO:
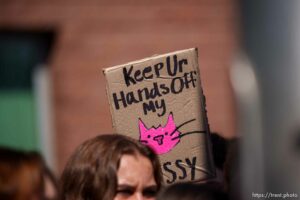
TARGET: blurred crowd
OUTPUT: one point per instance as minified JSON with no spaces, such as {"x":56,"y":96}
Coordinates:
{"x":114,"y":167}
{"x":25,"y":176}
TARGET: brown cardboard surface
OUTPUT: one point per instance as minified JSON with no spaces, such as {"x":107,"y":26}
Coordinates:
{"x":159,"y":100}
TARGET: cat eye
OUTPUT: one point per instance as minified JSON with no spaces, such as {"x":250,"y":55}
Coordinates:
{"x":166,"y":133}
{"x":148,"y":136}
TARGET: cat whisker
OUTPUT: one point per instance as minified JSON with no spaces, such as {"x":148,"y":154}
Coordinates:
{"x":188,"y":133}
{"x":184,"y":123}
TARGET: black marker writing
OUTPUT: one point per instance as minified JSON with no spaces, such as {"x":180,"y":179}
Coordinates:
{"x":187,"y":167}
{"x":156,"y":90}
{"x":132,"y":77}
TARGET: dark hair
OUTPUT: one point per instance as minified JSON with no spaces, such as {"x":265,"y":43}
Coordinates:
{"x":21,"y":174}
{"x":219,"y":149}
{"x":191,"y":191}
{"x":232,"y":171}
{"x":91,"y":171}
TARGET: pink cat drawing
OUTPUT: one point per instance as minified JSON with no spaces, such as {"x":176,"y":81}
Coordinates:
{"x":163,"y":139}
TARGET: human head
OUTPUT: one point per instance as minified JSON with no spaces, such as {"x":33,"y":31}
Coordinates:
{"x":20,"y":175}
{"x":191,"y":191}
{"x":91,"y":171}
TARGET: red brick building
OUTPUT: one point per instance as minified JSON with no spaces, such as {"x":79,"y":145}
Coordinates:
{"x":91,"y":35}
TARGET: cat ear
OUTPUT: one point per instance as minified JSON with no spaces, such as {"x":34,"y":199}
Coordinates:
{"x":142,"y":126}
{"x":170,"y":119}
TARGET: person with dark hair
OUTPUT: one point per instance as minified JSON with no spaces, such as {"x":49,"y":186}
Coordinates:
{"x":226,"y":158}
{"x":21,"y":175}
{"x":191,"y":191}
{"x":220,"y":148}
{"x":232,"y":170}
{"x":111,"y":167}
{"x":25,"y":176}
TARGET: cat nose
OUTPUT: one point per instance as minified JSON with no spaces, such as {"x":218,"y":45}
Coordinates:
{"x":159,"y":139}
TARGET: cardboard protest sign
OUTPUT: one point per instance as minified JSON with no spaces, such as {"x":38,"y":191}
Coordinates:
{"x":159,"y":101}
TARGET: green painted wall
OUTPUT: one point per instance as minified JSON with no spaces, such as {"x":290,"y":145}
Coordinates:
{"x":20,"y":53}
{"x":18,"y":120}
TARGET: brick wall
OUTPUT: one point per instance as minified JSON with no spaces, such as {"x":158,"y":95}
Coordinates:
{"x":94,"y":34}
